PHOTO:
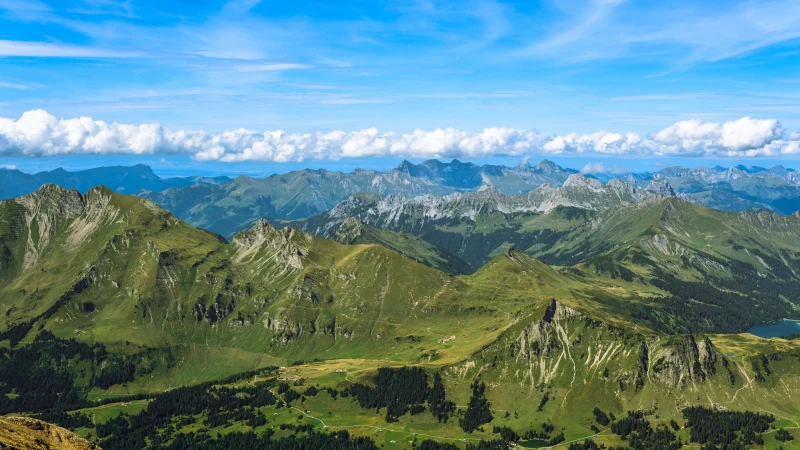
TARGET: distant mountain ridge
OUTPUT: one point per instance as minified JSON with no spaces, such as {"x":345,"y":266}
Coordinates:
{"x":123,"y":179}
{"x":227,"y":206}
{"x":510,"y":180}
{"x":734,"y":188}
{"x":475,"y":226}
{"x":399,"y":212}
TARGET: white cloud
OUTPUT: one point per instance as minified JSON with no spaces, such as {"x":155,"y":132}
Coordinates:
{"x":742,"y":137}
{"x":39,"y":133}
{"x":599,"y":142}
{"x":8,"y":167}
{"x":598,"y":167}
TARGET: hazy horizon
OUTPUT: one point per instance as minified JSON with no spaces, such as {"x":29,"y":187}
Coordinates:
{"x":177,"y":166}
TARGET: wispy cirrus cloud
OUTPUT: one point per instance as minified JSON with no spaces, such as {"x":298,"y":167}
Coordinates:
{"x":676,"y":34}
{"x":665,"y":97}
{"x":272,"y":67}
{"x":52,"y":50}
{"x":13,"y":85}
{"x":431,"y":63}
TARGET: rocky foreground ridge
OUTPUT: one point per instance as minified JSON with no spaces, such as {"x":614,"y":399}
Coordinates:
{"x":24,"y":433}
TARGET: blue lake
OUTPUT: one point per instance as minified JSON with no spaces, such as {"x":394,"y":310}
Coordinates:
{"x":779,"y":329}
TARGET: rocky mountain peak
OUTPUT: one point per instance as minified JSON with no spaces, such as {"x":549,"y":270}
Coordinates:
{"x":684,"y":360}
{"x":349,"y":231}
{"x":53,"y":200}
{"x":660,"y":187}
{"x":581,"y":181}
{"x":260,"y":230}
{"x":99,"y":195}
{"x":288,"y":246}
{"x":51,"y":189}
{"x":547,"y":166}
{"x":623,"y":186}
{"x":405,"y":166}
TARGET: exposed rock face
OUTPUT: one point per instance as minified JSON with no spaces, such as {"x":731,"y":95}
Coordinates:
{"x":684,"y":361}
{"x":663,"y":244}
{"x":577,"y":180}
{"x":542,"y":345}
{"x":395,"y":211}
{"x":349,"y":231}
{"x":771,"y":220}
{"x":45,"y":211}
{"x":23,"y":433}
{"x":288,"y":330}
{"x":542,"y":337}
{"x":287,"y":246}
{"x":660,"y":187}
{"x":52,"y":209}
{"x":285,"y":330}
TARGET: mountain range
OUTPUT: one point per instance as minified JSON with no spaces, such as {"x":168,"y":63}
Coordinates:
{"x":125,"y":179}
{"x":732,"y":189}
{"x":570,"y":298}
{"x":226,"y":205}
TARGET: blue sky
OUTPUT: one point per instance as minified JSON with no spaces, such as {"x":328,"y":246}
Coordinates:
{"x":353,"y":83}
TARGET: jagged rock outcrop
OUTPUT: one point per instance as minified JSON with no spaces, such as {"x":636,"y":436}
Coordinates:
{"x":683,"y":360}
{"x":660,"y":187}
{"x":287,"y":330}
{"x":349,"y":231}
{"x":542,"y":338}
{"x":52,"y":200}
{"x":287,"y":246}
{"x":45,"y":212}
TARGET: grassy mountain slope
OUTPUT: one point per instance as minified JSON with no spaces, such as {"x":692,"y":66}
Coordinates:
{"x":721,"y":271}
{"x":353,"y":231}
{"x":558,"y":364}
{"x":119,"y":270}
{"x":695,"y":269}
{"x":140,"y":290}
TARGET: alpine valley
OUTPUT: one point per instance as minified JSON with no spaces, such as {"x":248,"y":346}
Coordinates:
{"x":433,"y":306}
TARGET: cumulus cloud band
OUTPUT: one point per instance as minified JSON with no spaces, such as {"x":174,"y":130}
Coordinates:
{"x":39,"y":133}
